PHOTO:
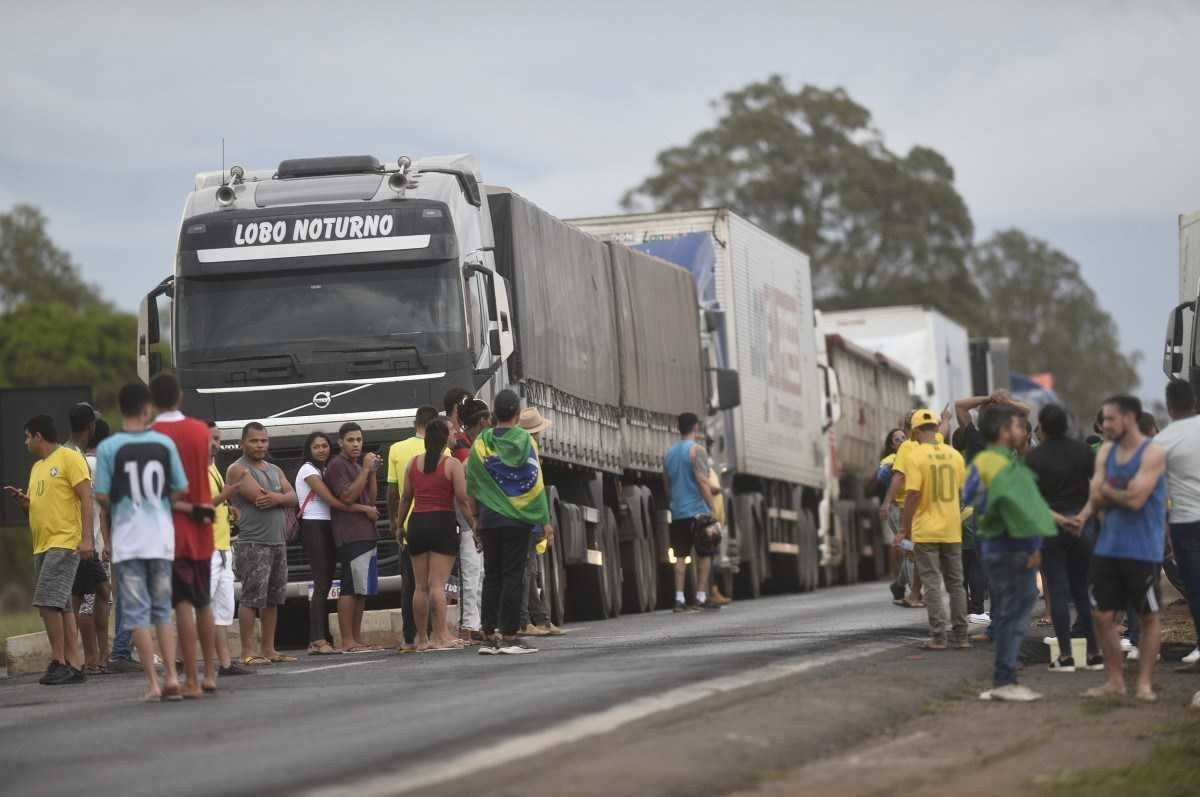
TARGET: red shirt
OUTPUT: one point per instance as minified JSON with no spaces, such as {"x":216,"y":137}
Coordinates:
{"x":460,"y":446}
{"x":432,"y":492}
{"x":193,"y":540}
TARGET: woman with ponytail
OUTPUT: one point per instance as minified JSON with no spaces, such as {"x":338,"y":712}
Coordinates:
{"x":433,"y":482}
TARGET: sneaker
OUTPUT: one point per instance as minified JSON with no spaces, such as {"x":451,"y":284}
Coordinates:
{"x":123,"y":665}
{"x":680,"y":607}
{"x":52,"y":673}
{"x":77,"y":677}
{"x":983,"y":618}
{"x":1095,"y":663}
{"x":61,"y":676}
{"x":1126,"y":645}
{"x":897,"y":592}
{"x":553,"y":630}
{"x":1192,"y":657}
{"x":489,"y":647}
{"x":233,"y":669}
{"x":1133,"y":655}
{"x":516,"y":648}
{"x":534,"y":630}
{"x":709,"y":606}
{"x":1011,"y":693}
{"x":1063,"y":664}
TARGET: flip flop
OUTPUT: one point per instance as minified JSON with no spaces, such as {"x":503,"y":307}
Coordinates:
{"x":325,"y":650}
{"x":364,"y":649}
{"x":208,"y":690}
{"x":256,"y":661}
{"x":280,"y":658}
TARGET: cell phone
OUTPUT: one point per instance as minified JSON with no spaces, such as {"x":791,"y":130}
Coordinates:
{"x":203,"y":513}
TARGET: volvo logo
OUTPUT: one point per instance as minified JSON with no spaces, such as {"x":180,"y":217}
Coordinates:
{"x":322,"y":400}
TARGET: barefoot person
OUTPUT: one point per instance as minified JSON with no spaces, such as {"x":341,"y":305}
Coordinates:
{"x":139,"y":481}
{"x":433,"y":484}
{"x":1130,"y":488}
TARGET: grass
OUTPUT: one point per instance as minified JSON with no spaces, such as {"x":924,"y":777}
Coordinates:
{"x":15,"y":624}
{"x":1171,"y":770}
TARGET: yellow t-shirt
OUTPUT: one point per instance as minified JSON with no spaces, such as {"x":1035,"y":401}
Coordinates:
{"x":900,"y":461}
{"x":221,"y":522}
{"x":399,"y":455}
{"x":54,"y":511}
{"x":936,"y":472}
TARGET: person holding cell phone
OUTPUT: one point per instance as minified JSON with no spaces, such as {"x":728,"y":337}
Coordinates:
{"x":191,"y":572}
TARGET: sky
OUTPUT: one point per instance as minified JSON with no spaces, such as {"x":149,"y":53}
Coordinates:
{"x":1075,"y":123}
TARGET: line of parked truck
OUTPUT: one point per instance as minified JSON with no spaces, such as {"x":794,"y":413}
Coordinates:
{"x":335,"y":289}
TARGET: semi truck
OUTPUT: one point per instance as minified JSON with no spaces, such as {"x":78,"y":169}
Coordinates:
{"x":1181,"y":352}
{"x":932,"y":346}
{"x":328,"y":290}
{"x":874,"y":392}
{"x":776,"y":452}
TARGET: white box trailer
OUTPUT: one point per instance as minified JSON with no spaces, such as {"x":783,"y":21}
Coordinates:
{"x":1180,"y":352}
{"x":770,"y":450}
{"x":929,"y":344}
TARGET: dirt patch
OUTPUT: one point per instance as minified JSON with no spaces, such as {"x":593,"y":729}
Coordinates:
{"x":1063,"y":745}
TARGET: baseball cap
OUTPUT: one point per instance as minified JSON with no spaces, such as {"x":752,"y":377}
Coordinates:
{"x":925,"y":418}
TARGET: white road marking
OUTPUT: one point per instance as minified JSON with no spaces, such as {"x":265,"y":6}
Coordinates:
{"x":304,"y":670}
{"x":410,"y":779}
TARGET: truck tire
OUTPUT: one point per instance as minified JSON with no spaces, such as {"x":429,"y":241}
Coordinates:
{"x":588,"y":583}
{"x":748,"y":583}
{"x":810,"y":554}
{"x":554,"y":574}
{"x":650,"y":552}
{"x":612,"y":562}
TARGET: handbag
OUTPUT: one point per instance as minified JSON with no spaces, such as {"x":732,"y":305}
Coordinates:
{"x":292,"y":518}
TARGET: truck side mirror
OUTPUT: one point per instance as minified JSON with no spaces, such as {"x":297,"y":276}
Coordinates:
{"x":714,"y":320}
{"x":729,"y":389}
{"x":1173,"y":348}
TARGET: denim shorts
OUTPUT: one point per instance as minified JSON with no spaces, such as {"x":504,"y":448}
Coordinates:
{"x":145,"y":592}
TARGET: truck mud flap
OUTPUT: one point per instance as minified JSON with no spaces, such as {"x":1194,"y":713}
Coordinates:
{"x":573,"y":534}
{"x":637,"y":590}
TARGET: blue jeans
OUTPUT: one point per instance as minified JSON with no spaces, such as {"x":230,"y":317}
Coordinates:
{"x":1013,"y":587}
{"x":122,"y":644}
{"x":1185,"y":541}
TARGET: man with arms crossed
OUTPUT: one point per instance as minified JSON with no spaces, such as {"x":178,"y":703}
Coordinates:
{"x":354,"y":533}
{"x":59,"y":505}
{"x":259,"y":555}
{"x":191,"y":574}
{"x":685,"y":478}
{"x":933,"y":479}
{"x":1130,"y":488}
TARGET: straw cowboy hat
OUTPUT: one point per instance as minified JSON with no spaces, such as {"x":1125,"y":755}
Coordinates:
{"x":533,"y":422}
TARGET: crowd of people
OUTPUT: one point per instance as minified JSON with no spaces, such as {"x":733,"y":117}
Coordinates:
{"x":1005,"y":504}
{"x":144,"y":520}
{"x":975,"y":525}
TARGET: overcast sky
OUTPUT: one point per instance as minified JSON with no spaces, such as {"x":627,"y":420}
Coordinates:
{"x":1072,"y":123}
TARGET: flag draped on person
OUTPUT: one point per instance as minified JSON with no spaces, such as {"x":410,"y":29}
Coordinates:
{"x":504,"y":475}
{"x":1005,"y":496}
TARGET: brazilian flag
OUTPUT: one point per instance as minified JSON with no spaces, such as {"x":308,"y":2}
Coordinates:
{"x":503,"y":474}
{"x":1004,"y":493}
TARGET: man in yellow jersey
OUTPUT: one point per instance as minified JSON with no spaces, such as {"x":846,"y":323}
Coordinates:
{"x":399,"y":455}
{"x":221,"y":586}
{"x":933,"y":478}
{"x":59,"y":505}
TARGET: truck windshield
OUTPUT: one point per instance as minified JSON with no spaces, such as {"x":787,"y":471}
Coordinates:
{"x":419,"y":306}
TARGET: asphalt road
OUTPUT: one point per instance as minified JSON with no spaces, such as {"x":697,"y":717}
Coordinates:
{"x":333,"y":723}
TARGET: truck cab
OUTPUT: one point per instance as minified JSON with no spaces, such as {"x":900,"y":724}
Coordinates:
{"x":330,"y":290}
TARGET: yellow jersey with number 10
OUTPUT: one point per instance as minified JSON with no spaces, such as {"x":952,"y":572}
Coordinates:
{"x":937,"y":472}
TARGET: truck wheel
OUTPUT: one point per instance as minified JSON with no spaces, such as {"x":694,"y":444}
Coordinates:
{"x":748,"y":583}
{"x":555,"y":574}
{"x":649,"y":554}
{"x":612,"y":564}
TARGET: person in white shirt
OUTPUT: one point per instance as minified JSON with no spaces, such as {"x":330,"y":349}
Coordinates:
{"x":316,"y":535}
{"x":1181,"y":442}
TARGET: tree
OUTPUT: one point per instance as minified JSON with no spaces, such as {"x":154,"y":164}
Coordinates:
{"x":32,"y":268}
{"x":1036,"y":297}
{"x":884,"y":229}
{"x":809,"y":167}
{"x":46,"y":345}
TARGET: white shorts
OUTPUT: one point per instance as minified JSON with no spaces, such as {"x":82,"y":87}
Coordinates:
{"x":222,"y":588}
